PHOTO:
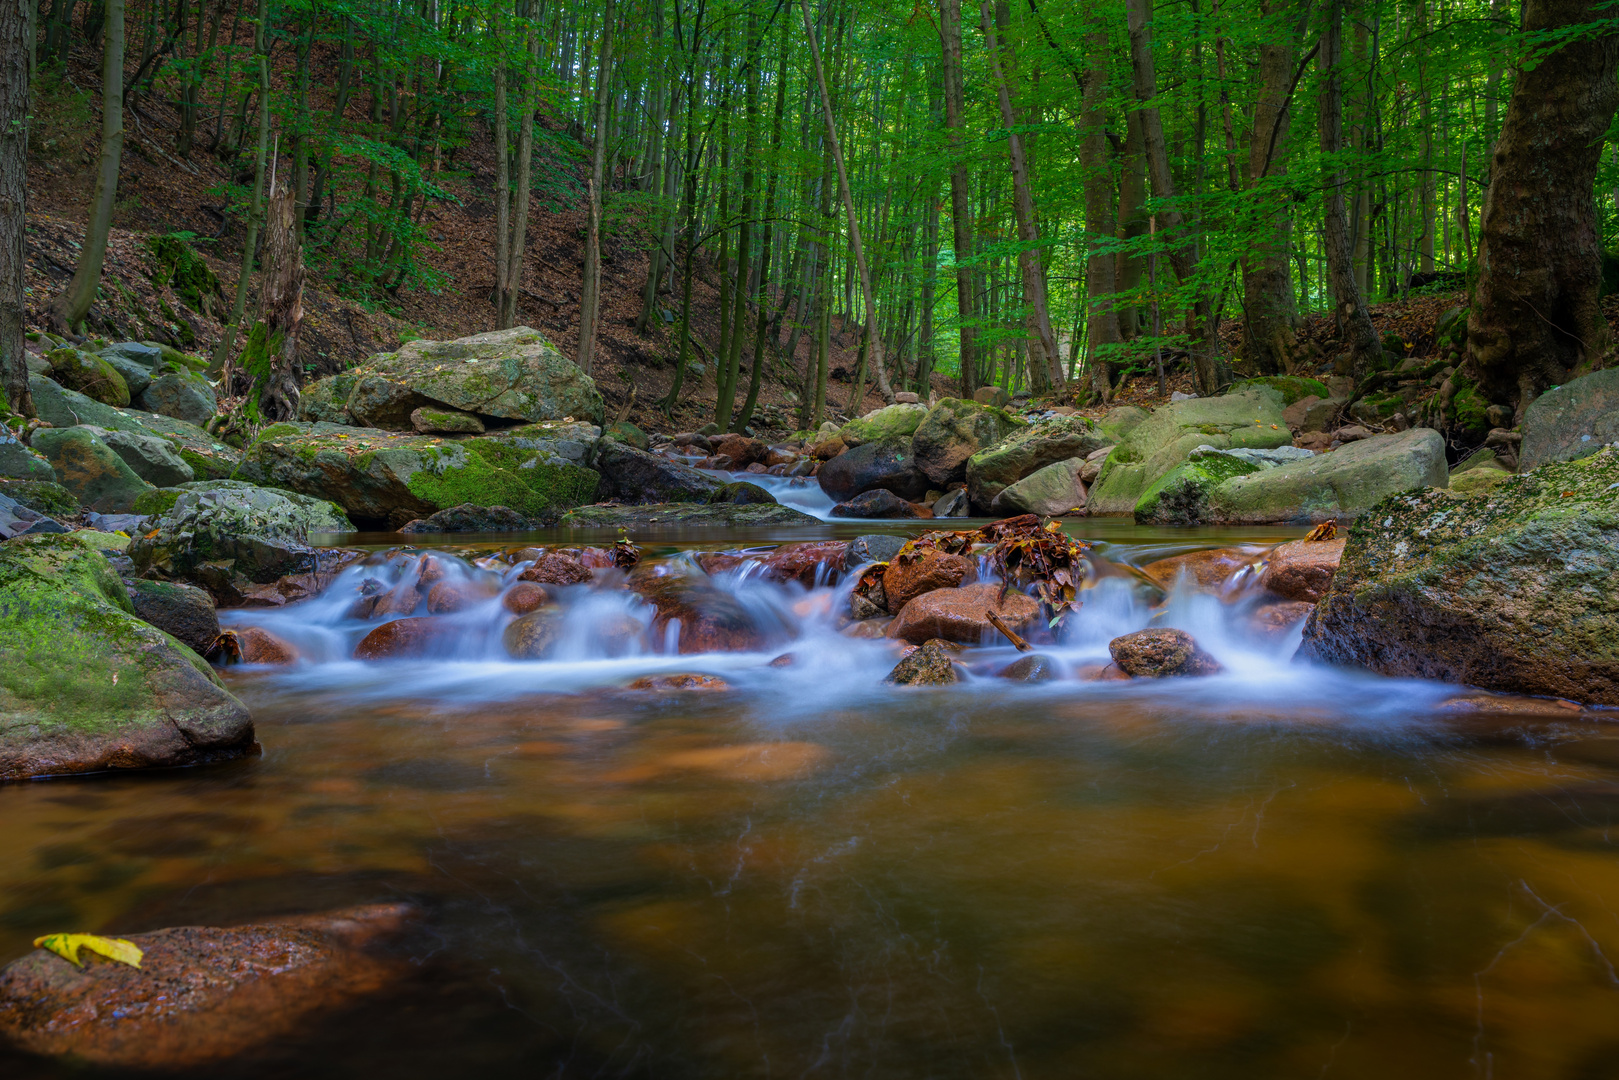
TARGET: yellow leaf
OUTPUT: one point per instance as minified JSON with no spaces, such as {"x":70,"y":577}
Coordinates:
{"x":67,"y":946}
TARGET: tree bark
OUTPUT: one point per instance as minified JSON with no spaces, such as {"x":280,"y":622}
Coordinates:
{"x":961,"y":221}
{"x":14,"y":43}
{"x":859,"y":251}
{"x":255,"y":217}
{"x":1534,"y":321}
{"x":271,"y":357}
{"x":1354,"y":324}
{"x":1045,"y":364}
{"x":590,"y":290}
{"x":72,"y":304}
{"x":525,"y":170}
{"x":1102,"y":322}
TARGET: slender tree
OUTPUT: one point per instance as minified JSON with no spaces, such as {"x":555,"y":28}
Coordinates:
{"x":15,"y":30}
{"x":590,"y":290}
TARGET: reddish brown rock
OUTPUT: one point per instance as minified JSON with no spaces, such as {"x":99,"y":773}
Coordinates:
{"x":960,"y":614}
{"x":403,"y":600}
{"x":827,"y":449}
{"x":872,"y":629}
{"x":779,"y":458}
{"x":431,"y":570}
{"x":683,"y":681}
{"x":804,"y":562}
{"x":717,"y":562}
{"x":524,"y":597}
{"x":202,"y":994}
{"x":1302,"y":569}
{"x":1274,"y":620}
{"x":404,"y":637}
{"x":1159,"y":653}
{"x":256,"y":646}
{"x":596,"y":558}
{"x":711,"y":620}
{"x":907,"y":578}
{"x":447,"y":596}
{"x":533,"y":636}
{"x":557,"y":569}
{"x":1209,"y":570}
{"x":742,"y":450}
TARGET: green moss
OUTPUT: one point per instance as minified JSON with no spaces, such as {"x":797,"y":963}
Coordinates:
{"x":1292,"y":387}
{"x":557,"y":484}
{"x":1181,"y":496}
{"x":181,"y":268}
{"x":1471,"y":411}
{"x":204,"y":466}
{"x":47,"y":498}
{"x":157,"y":501}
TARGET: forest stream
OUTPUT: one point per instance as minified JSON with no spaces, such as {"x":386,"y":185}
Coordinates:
{"x":1280,"y":870}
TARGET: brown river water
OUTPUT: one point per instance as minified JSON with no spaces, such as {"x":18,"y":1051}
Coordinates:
{"x":1280,"y":871}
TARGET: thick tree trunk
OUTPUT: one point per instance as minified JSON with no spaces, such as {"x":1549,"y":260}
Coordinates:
{"x":1354,"y":324}
{"x":1268,"y":311}
{"x":70,"y":306}
{"x":1534,"y":321}
{"x":14,"y":43}
{"x":961,"y":220}
{"x":271,"y":357}
{"x":1045,"y":363}
{"x":590,"y":290}
{"x":855,"y":245}
{"x":525,"y":168}
{"x":1127,"y":268}
{"x":255,"y":219}
{"x":1102,"y":329}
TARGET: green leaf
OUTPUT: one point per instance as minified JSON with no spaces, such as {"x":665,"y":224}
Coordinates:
{"x":67,"y":946}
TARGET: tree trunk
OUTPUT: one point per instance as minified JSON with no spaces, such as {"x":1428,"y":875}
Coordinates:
{"x":1132,"y":223}
{"x":1354,"y":324}
{"x":1045,"y":364}
{"x":525,"y":166}
{"x":848,"y":207}
{"x":1102,"y":331}
{"x":14,"y":42}
{"x":590,"y":290}
{"x":270,"y":359}
{"x":745,"y":416}
{"x":961,"y":220}
{"x":1534,"y":320}
{"x":227,"y":338}
{"x":72,"y":304}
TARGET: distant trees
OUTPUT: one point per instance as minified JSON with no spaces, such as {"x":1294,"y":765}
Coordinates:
{"x":15,"y":28}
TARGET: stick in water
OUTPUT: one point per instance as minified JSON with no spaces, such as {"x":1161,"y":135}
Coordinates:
{"x":1011,"y":635}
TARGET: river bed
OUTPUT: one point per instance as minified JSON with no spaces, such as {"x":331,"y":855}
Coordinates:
{"x":1279,"y":871}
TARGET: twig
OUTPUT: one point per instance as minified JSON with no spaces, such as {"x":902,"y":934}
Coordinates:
{"x":1011,"y":635}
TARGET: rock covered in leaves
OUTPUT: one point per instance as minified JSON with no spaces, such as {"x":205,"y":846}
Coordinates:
{"x":86,"y":685}
{"x":1511,"y":591}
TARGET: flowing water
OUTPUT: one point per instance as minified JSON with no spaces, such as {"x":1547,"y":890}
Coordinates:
{"x":1278,"y":871}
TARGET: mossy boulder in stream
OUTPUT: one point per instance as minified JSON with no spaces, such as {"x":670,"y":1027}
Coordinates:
{"x":90,"y":375}
{"x":90,"y":469}
{"x":1510,"y":590}
{"x":1342,"y":484}
{"x":1027,"y":451}
{"x":952,"y":432}
{"x":85,"y":685}
{"x":385,"y":478}
{"x":1181,"y":496}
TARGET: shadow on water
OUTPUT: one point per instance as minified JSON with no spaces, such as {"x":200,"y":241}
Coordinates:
{"x":1278,"y":871}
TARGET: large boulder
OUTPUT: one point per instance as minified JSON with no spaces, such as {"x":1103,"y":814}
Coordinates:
{"x":182,"y":395}
{"x":152,"y":458}
{"x":1342,"y":484}
{"x":90,"y":375}
{"x":511,"y":374}
{"x":890,"y":422}
{"x":1181,"y":495}
{"x":44,"y":496}
{"x":1051,"y":491}
{"x":878,"y":503}
{"x":137,"y":376}
{"x":953,"y":431}
{"x":1293,"y":388}
{"x":1513,"y":591}
{"x":18,"y":462}
{"x":638,"y":476}
{"x":1163,"y":440}
{"x":226,"y":535}
{"x":326,"y":399}
{"x":90,"y":469}
{"x":388,"y":478}
{"x":380,"y":402}
{"x":687,"y":515}
{"x":1576,"y":419}
{"x":963,"y":615}
{"x":209,"y":458}
{"x":888,"y":464}
{"x":182,"y":611}
{"x":85,"y":685}
{"x":710,"y":619}
{"x":1025,"y":452}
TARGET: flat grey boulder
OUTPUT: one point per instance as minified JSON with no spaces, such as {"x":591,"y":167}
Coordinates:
{"x":1575,"y":420}
{"x":1343,"y":484}
{"x":153,"y":459}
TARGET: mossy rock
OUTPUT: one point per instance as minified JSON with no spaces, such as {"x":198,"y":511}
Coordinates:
{"x":1292,"y":387}
{"x":86,"y":685}
{"x":688,"y":515}
{"x":95,"y":474}
{"x":90,"y":375}
{"x":1027,"y":451}
{"x":1471,"y":411}
{"x":626,"y":432}
{"x":41,"y":496}
{"x":157,"y":501}
{"x":889,"y":422}
{"x":179,"y":267}
{"x":952,"y":432}
{"x":1181,"y":496}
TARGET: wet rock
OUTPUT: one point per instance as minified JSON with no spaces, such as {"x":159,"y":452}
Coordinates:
{"x":742,"y":450}
{"x":868,"y":627}
{"x":1154,"y":446}
{"x":930,"y":664}
{"x":19,"y":462}
{"x":1025,"y":452}
{"x":470,"y":518}
{"x":184,"y":612}
{"x":1181,"y":496}
{"x":908,"y":577}
{"x":885,"y":463}
{"x":683,"y":681}
{"x":402,"y":638}
{"x":403,"y":599}
{"x":557,"y":569}
{"x":524,"y":597}
{"x":447,"y":596}
{"x":742,"y":493}
{"x":1030,"y":669}
{"x":153,"y":459}
{"x":815,"y":562}
{"x":1574,"y":420}
{"x":90,"y":375}
{"x":430,"y":420}
{"x":877,"y":505}
{"x":891,"y":422}
{"x":90,"y":469}
{"x":1511,"y":593}
{"x":1274,"y":620}
{"x":224,"y":535}
{"x":638,"y":476}
{"x":716,"y":515}
{"x":255,"y":645}
{"x":960,"y":614}
{"x":533,"y":636}
{"x":1209,"y":570}
{"x":185,"y":397}
{"x":952,"y":504}
{"x":1342,"y":484}
{"x":86,"y":685}
{"x":874,"y":547}
{"x":1048,"y":492}
{"x":827,"y":449}
{"x":953,"y":431}
{"x":711,"y":620}
{"x":1302,"y":569}
{"x":1160,"y":653}
{"x":202,"y":994}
